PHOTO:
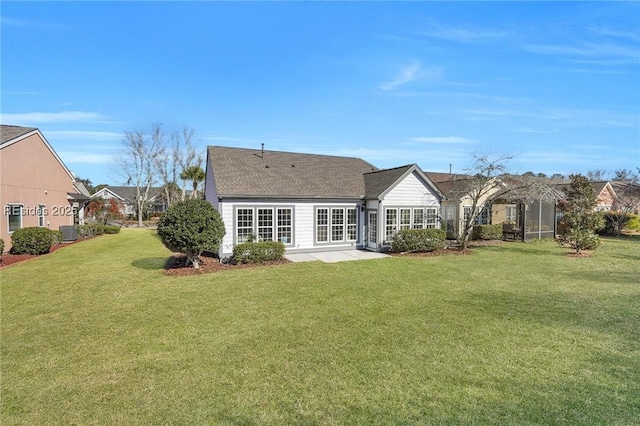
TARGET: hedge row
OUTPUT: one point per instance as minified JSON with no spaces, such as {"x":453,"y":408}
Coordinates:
{"x":418,"y":240}
{"x":34,"y":240}
{"x":93,"y":229}
{"x":258,"y":252}
{"x":487,"y":232}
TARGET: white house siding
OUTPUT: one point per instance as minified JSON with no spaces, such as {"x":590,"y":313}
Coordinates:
{"x":303,"y":222}
{"x":411,"y":191}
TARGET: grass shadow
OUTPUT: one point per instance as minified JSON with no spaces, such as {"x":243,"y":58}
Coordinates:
{"x":150,"y":263}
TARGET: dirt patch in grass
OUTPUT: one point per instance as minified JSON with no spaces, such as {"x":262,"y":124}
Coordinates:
{"x":579,"y":255}
{"x":176,"y":265}
{"x":11,"y":259}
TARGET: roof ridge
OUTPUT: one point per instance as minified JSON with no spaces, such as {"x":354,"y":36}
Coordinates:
{"x":392,"y":168}
{"x":285,"y":152}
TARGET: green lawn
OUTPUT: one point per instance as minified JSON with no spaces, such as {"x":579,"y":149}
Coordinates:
{"x":516,"y":333}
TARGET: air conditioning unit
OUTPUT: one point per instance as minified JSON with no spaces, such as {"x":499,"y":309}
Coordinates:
{"x":69,"y":233}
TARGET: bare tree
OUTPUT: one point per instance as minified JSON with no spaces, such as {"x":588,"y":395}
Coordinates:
{"x":175,"y":157}
{"x":185,"y":154}
{"x":626,"y":184}
{"x":137,"y":163}
{"x":475,"y":187}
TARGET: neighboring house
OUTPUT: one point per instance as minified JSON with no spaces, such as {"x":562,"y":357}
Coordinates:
{"x":36,"y":188}
{"x":603,"y":190}
{"x":126,"y":195}
{"x":315,"y":202}
{"x":527,"y":212}
{"x":457,"y":205}
{"x":605,"y":195}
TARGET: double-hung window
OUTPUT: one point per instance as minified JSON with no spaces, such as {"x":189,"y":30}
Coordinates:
{"x":391,"y":224}
{"x":285,"y":225}
{"x":244,"y":225}
{"x":337,"y":225}
{"x":431,"y":220}
{"x":41,"y":214}
{"x":265,"y":224}
{"x":405,"y":218}
{"x":352,"y":230}
{"x":322,"y":225}
{"x":511,"y":213}
{"x":14,"y":216}
{"x":418,"y":218}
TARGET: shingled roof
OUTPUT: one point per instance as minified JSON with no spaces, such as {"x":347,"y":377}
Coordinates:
{"x":129,"y":193}
{"x":8,"y":133}
{"x":256,"y":173}
{"x":379,"y":181}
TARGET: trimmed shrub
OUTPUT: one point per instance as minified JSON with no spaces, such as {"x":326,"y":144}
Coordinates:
{"x":111,"y":229}
{"x":418,"y":240}
{"x":487,"y":232}
{"x":93,"y":229}
{"x":634,"y":223}
{"x":1,"y":246}
{"x":191,"y":227}
{"x":258,"y":252}
{"x":32,"y":240}
{"x":57,"y":237}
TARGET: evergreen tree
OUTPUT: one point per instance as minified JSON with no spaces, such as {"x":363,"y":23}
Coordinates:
{"x":580,"y":220}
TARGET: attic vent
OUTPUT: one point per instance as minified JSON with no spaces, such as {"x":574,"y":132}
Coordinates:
{"x":293,"y":165}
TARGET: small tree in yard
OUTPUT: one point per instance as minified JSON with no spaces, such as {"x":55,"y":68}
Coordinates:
{"x":476,"y":187}
{"x":580,"y":220}
{"x":105,"y":210}
{"x":191,"y":227}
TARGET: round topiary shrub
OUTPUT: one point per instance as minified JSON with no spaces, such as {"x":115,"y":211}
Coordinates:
{"x":191,"y":227}
{"x":32,"y":240}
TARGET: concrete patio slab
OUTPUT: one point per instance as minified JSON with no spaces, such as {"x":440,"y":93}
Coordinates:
{"x":335,"y":256}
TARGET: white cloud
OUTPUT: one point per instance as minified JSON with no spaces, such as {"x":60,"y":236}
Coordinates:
{"x":80,"y":157}
{"x":84,"y":134}
{"x":463,"y":34}
{"x":606,"y":50}
{"x":444,"y":140}
{"x":32,"y":118}
{"x":406,"y":75}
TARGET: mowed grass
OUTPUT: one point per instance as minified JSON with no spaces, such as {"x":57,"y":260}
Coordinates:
{"x":512,"y":334}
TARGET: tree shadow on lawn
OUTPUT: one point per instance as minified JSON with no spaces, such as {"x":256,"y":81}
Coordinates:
{"x":150,"y":263}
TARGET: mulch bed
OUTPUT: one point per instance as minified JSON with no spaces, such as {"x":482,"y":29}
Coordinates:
{"x":11,"y":259}
{"x":176,"y":265}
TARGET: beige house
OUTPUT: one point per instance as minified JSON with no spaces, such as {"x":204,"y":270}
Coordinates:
{"x":459,"y":192}
{"x":36,"y":188}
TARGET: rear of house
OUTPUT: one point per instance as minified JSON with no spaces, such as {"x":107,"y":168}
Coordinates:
{"x":314,"y":202}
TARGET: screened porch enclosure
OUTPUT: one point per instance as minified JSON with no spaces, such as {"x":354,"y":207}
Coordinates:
{"x":538,"y":220}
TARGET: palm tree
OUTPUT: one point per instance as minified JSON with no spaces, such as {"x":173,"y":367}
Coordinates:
{"x":195,"y":174}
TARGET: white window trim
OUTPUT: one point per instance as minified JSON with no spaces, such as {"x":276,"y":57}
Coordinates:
{"x":9,"y":208}
{"x":275,"y":233}
{"x":41,"y":215}
{"x":329,"y":226}
{"x":398,"y":225}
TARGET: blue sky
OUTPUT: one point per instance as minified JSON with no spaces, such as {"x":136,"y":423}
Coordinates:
{"x":555,"y":84}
